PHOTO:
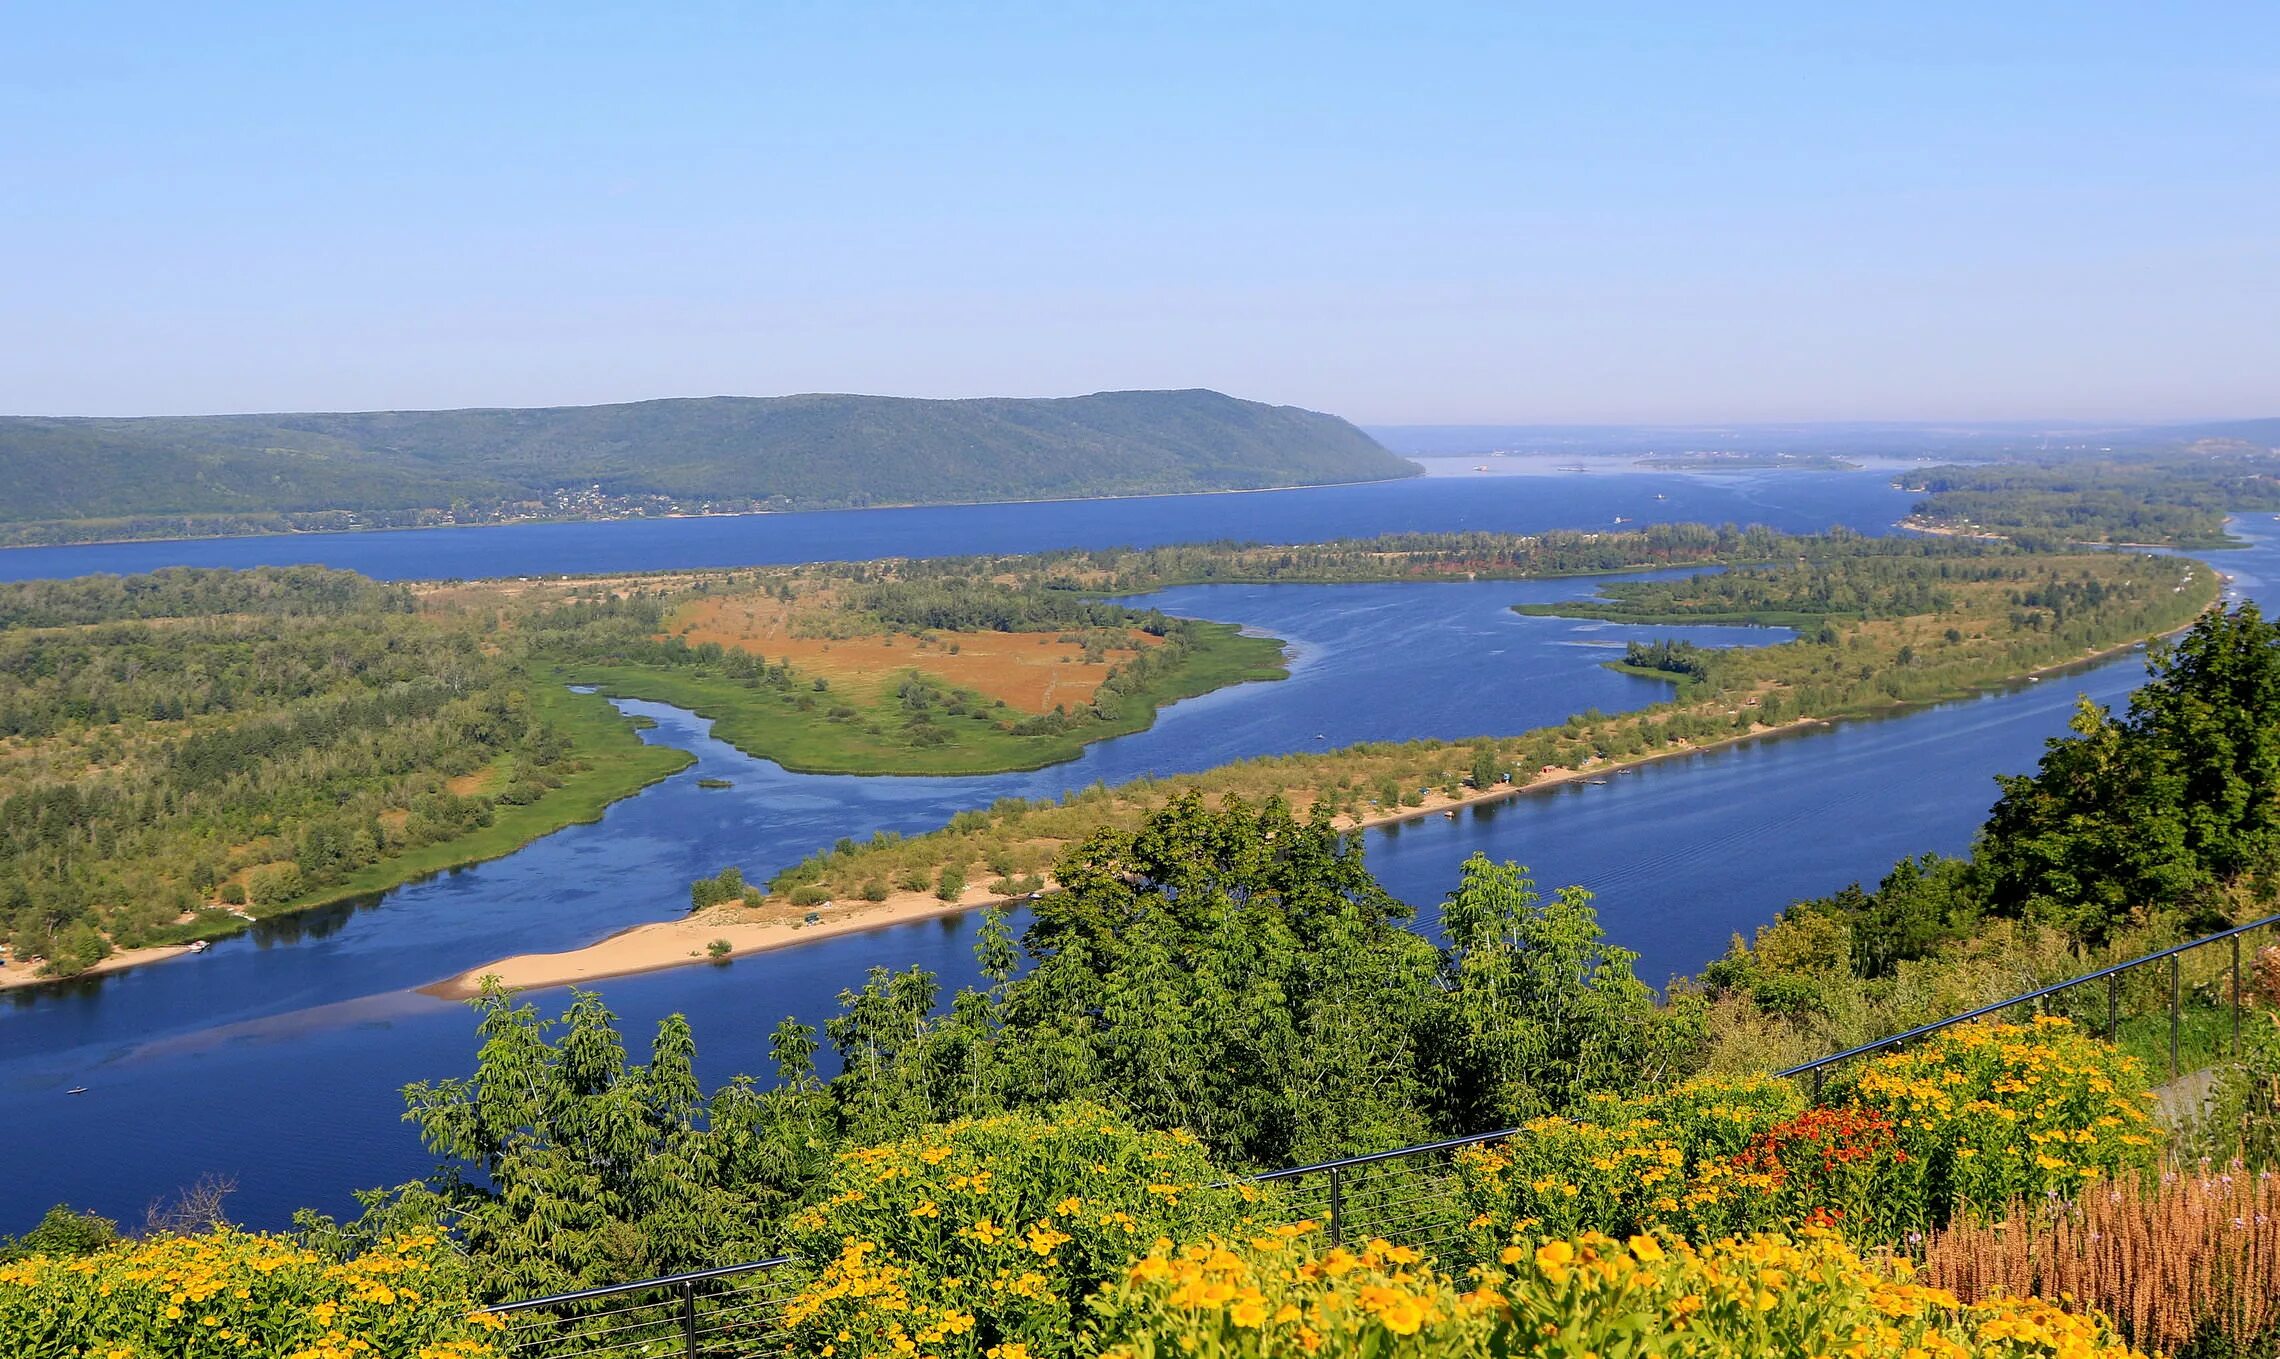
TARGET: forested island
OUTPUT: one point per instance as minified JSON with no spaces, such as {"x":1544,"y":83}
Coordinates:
{"x":2173,"y":491}
{"x":84,"y":479}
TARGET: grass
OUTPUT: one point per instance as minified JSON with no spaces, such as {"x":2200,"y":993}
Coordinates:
{"x":794,"y":728}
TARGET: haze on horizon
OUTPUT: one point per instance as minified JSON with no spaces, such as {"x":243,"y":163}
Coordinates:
{"x":1452,"y":214}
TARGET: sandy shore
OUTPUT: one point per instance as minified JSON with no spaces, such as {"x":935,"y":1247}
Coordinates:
{"x":27,"y":974}
{"x":678,"y":943}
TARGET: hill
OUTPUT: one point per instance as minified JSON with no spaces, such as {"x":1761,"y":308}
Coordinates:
{"x":368,"y":469}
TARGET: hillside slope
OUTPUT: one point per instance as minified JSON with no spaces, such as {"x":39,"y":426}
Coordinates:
{"x":782,"y":452}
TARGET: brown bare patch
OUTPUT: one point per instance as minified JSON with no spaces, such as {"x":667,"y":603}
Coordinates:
{"x":1032,"y":671}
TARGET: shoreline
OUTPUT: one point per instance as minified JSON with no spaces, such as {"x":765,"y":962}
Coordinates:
{"x":14,"y":975}
{"x":727,"y":514}
{"x":656,"y":945}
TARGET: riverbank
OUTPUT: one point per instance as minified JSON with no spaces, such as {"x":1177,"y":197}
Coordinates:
{"x":618,"y":765}
{"x":658,"y":945}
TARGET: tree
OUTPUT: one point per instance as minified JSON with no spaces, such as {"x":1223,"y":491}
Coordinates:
{"x":1546,"y":1012}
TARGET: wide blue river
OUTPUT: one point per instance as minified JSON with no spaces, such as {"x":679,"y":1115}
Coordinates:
{"x":275,"y":1058}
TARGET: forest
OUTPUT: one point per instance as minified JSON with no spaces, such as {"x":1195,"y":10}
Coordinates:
{"x":74,"y":478}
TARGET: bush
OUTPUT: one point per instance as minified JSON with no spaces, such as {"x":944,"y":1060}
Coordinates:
{"x":991,"y":1232}
{"x":952,"y":884}
{"x":1626,"y":1165}
{"x":231,"y":1292}
{"x":1739,"y":1299}
{"x":272,"y":884}
{"x":233,"y":893}
{"x":1988,"y":1113}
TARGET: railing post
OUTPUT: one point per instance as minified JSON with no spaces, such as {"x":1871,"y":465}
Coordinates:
{"x":689,"y":1319}
{"x":1820,"y":1078}
{"x":1337,"y":1206}
{"x":2236,"y":995}
{"x":2113,"y":1006}
{"x":2175,"y":1015}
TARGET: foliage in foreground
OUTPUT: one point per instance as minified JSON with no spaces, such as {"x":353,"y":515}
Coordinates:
{"x":992,"y":1232}
{"x":1275,"y":1295}
{"x":1966,"y":1123}
{"x":229,"y":1293}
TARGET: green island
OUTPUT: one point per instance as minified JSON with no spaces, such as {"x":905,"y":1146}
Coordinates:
{"x":1055,"y":1164}
{"x":2174,"y":491}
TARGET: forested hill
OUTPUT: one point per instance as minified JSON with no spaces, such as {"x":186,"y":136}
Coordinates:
{"x":807,"y":452}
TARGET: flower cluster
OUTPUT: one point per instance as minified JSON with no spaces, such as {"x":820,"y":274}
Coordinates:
{"x":1624,"y":1166}
{"x":1989,"y":1113}
{"x":229,"y":1293}
{"x":983,"y":1238}
{"x":1971,"y":1119}
{"x":1651,"y":1296}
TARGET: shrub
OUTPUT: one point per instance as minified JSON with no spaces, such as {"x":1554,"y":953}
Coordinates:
{"x":231,"y":1292}
{"x":1988,"y":1113}
{"x":991,"y":1232}
{"x":1739,"y":1299}
{"x":1627,"y":1165}
{"x":271,"y":884}
{"x":952,"y":884}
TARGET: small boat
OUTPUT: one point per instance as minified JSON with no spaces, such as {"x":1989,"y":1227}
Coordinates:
{"x":1482,"y":468}
{"x":1320,"y":737}
{"x":199,"y":946}
{"x":1451,"y":813}
{"x":1596,"y":783}
{"x":76,"y":1090}
{"x":1660,"y":496}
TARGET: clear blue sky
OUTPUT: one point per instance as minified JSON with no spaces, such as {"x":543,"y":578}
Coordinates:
{"x":1400,"y":213}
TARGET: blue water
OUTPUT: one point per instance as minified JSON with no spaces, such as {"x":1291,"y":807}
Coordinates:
{"x":275,"y":1057}
{"x":1795,"y":501}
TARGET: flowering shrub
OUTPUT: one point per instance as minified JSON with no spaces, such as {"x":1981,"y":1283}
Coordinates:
{"x":230,"y":1293}
{"x":984,"y":1237}
{"x":1586,"y":1296}
{"x":1830,"y":1167}
{"x":1988,"y":1113}
{"x":1624,"y":1166}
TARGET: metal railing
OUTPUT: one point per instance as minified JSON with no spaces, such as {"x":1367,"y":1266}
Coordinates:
{"x":2173,"y":955}
{"x":731,"y":1311}
{"x":1410,"y":1194}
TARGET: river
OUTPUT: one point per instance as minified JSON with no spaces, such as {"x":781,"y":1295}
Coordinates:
{"x":274,"y":1058}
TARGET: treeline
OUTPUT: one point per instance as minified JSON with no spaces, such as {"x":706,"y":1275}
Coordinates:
{"x":2174,"y":498}
{"x":192,"y":743}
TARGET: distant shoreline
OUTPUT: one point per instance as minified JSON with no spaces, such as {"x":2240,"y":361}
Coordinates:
{"x":726,"y":514}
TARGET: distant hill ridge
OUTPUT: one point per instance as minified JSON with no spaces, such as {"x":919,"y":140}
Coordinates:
{"x":792,"y":452}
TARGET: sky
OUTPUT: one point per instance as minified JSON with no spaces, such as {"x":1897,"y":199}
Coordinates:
{"x":1411,"y":213}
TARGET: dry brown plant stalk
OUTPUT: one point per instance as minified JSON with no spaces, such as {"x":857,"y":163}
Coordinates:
{"x":2199,"y":1250}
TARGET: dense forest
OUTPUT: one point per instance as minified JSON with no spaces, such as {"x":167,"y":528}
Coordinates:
{"x":180,"y":750}
{"x":175,"y":474}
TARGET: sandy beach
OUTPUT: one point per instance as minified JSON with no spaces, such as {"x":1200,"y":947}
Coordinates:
{"x":27,"y":974}
{"x":758,"y":929}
